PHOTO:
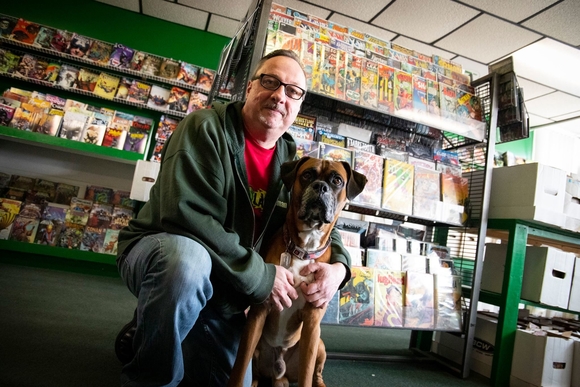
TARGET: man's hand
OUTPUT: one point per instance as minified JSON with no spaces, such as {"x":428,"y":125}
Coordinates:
{"x":283,"y":291}
{"x":327,"y":279}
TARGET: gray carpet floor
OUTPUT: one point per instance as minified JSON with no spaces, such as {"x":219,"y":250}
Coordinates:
{"x":58,"y":322}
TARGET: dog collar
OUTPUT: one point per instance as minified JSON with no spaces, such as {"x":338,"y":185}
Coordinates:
{"x":301,"y":253}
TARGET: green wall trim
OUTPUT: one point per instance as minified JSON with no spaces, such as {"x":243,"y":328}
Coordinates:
{"x":31,"y":248}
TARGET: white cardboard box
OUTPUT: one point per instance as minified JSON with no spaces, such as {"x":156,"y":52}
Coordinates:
{"x":541,"y":360}
{"x":548,"y":276}
{"x":571,"y":206}
{"x":528,"y":185}
{"x":143,"y":179}
{"x":539,"y":214}
{"x":576,"y":364}
{"x":574,"y":301}
{"x":493,"y":267}
{"x":483,"y":345}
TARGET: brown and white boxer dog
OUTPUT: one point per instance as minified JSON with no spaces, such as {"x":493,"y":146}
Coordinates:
{"x":286,"y":346}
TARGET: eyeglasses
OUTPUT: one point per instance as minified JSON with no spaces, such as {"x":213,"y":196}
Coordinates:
{"x":270,"y":82}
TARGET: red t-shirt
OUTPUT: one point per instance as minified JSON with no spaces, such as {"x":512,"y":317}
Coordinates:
{"x":258,"y":164}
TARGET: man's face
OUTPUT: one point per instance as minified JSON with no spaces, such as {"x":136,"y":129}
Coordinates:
{"x":273,"y":109}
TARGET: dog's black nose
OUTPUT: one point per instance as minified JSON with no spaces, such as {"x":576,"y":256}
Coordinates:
{"x":320,"y":187}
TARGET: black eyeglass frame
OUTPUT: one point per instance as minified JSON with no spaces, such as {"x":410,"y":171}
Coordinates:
{"x":280,"y":83}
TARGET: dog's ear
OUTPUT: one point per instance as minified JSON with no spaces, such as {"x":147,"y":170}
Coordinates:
{"x":288,"y":171}
{"x":356,"y":182}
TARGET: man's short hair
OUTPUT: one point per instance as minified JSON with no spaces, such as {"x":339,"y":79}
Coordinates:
{"x":287,"y":53}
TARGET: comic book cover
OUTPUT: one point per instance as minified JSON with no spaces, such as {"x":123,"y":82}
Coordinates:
{"x":328,"y":72}
{"x":100,"y":52}
{"x":138,"y":135}
{"x":385,"y":100}
{"x":76,"y":106}
{"x":39,"y":70}
{"x":93,"y":239}
{"x":73,"y":124}
{"x":44,"y":37}
{"x":308,"y":59}
{"x":413,"y":70}
{"x":78,"y":212}
{"x":121,"y":217}
{"x":122,"y":198}
{"x":383,"y":259}
{"x":110,"y":242}
{"x":98,"y":194}
{"x":9,"y":62}
{"x":454,"y":189}
{"x":369,"y":83}
{"x":318,"y":57}
{"x":79,"y":45}
{"x":196,"y":101}
{"x":123,"y":88}
{"x":67,"y":76}
{"x":65,"y":192}
{"x":106,"y":85}
{"x":51,"y":72}
{"x":61,"y":40}
{"x":151,"y":64}
{"x":71,"y":236}
{"x":356,"y":304}
{"x":51,"y":224}
{"x":178,"y":99}
{"x":6,"y":114}
{"x":86,"y":79}
{"x":50,"y":122}
{"x":158,"y":97}
{"x":419,"y":94}
{"x":447,"y":301}
{"x":332,"y":310}
{"x":25,"y":31}
{"x":398,"y":186}
{"x":419,"y":311}
{"x":94,"y":131}
{"x":26,"y":117}
{"x":166,"y":127}
{"x":138,"y":60}
{"x":353,"y":78}
{"x":334,"y":153}
{"x":138,"y":92}
{"x":26,"y":65}
{"x":169,"y":68}
{"x":121,"y":56}
{"x":188,"y":73}
{"x":433,"y":97}
{"x":370,"y":165}
{"x":301,"y":133}
{"x":429,"y":75}
{"x":7,"y":24}
{"x":389,"y":295}
{"x":100,"y":215}
{"x":114,"y":137}
{"x":205,"y":79}
{"x":339,"y":90}
{"x":403,"y":90}
{"x":24,"y":229}
{"x":468,"y":107}
{"x":447,"y":101}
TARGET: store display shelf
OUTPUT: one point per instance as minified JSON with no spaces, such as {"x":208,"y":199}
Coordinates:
{"x":31,"y":248}
{"x":383,"y":213}
{"x":62,"y":144}
{"x":89,"y":62}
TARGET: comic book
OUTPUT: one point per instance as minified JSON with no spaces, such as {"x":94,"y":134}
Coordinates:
{"x":138,"y":92}
{"x":100,"y":52}
{"x":7,"y":24}
{"x":93,"y":239}
{"x":25,"y":31}
{"x":51,"y":73}
{"x":73,"y":124}
{"x":332,"y":310}
{"x":61,"y":40}
{"x":110,"y":242}
{"x":196,"y":101}
{"x":121,"y":56}
{"x":67,"y":76}
{"x":86,"y":79}
{"x":94,"y":131}
{"x":370,"y":165}
{"x":25,"y":66}
{"x":468,"y":107}
{"x":6,"y":114}
{"x":382,"y":259}
{"x":389,"y":296}
{"x":123,"y":88}
{"x":447,"y":101}
{"x":166,"y":127}
{"x":39,"y":70}
{"x":188,"y":73}
{"x":51,"y":224}
{"x":454,"y":189}
{"x":398,"y":186}
{"x":79,"y":45}
{"x":138,"y":135}
{"x":50,"y":122}
{"x":433,"y":97}
{"x":151,"y":64}
{"x":419,"y":311}
{"x":76,"y":106}
{"x":78,"y":212}
{"x":44,"y":37}
{"x":419,"y":95}
{"x":24,"y":229}
{"x":121,"y":217}
{"x":356,"y":304}
{"x":106,"y":85}
{"x":137,"y":60}
{"x":101,"y":215}
{"x":385,"y":100}
{"x":353,"y":78}
{"x":169,"y":68}
{"x":9,"y":210}
{"x":369,"y":83}
{"x":122,"y":198}
{"x":403,"y":90}
{"x":26,"y":117}
{"x":117,"y":130}
{"x":65,"y":192}
{"x":9,"y":63}
{"x":98,"y":194}
{"x":205,"y":79}
{"x":178,"y":99}
{"x":71,"y":236}
{"x":328,"y":72}
{"x":307,"y":57}
{"x":158,"y":97}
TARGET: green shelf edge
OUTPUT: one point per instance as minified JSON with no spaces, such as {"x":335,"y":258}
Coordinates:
{"x":73,"y":146}
{"x":59,"y":252}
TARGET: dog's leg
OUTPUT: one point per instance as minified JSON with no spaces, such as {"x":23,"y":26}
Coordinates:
{"x":250,"y":337}
{"x":309,"y":343}
{"x":320,"y":360}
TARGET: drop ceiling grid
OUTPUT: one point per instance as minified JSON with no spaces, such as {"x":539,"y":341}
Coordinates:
{"x":231,"y":9}
{"x":512,"y":10}
{"x":559,"y":22}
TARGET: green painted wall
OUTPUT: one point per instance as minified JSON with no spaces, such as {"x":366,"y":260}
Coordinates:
{"x":521,"y":148}
{"x":117,"y":25}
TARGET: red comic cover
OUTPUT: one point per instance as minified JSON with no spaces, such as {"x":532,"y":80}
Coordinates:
{"x":370,"y":165}
{"x":403,"y":90}
{"x":25,"y":31}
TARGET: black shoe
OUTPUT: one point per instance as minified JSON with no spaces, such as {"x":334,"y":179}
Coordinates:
{"x":124,"y":341}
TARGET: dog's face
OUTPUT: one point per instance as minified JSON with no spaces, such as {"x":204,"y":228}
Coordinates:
{"x":320,"y":188}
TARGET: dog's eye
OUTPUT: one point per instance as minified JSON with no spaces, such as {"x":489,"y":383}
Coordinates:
{"x":337,"y":180}
{"x":307,"y":175}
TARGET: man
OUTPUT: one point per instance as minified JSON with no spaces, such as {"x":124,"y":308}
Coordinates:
{"x":191,"y":256}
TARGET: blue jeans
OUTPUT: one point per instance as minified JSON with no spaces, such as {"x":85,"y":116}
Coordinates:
{"x":178,"y":337}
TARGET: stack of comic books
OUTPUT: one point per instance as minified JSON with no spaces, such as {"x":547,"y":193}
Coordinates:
{"x":165,"y":129}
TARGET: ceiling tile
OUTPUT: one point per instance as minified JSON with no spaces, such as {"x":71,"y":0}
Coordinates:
{"x":559,"y":22}
{"x":537,"y":120}
{"x":425,"y":21}
{"x":553,"y":105}
{"x":550,"y":63}
{"x":222,"y":25}
{"x":513,"y":10}
{"x":532,"y":89}
{"x":486,"y":39}
{"x":568,"y":116}
{"x":363,"y":27}
{"x":306,"y":8}
{"x":232,"y":9}
{"x":131,"y":5}
{"x":348,"y":7}
{"x":477,"y":69}
{"x":175,"y":13}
